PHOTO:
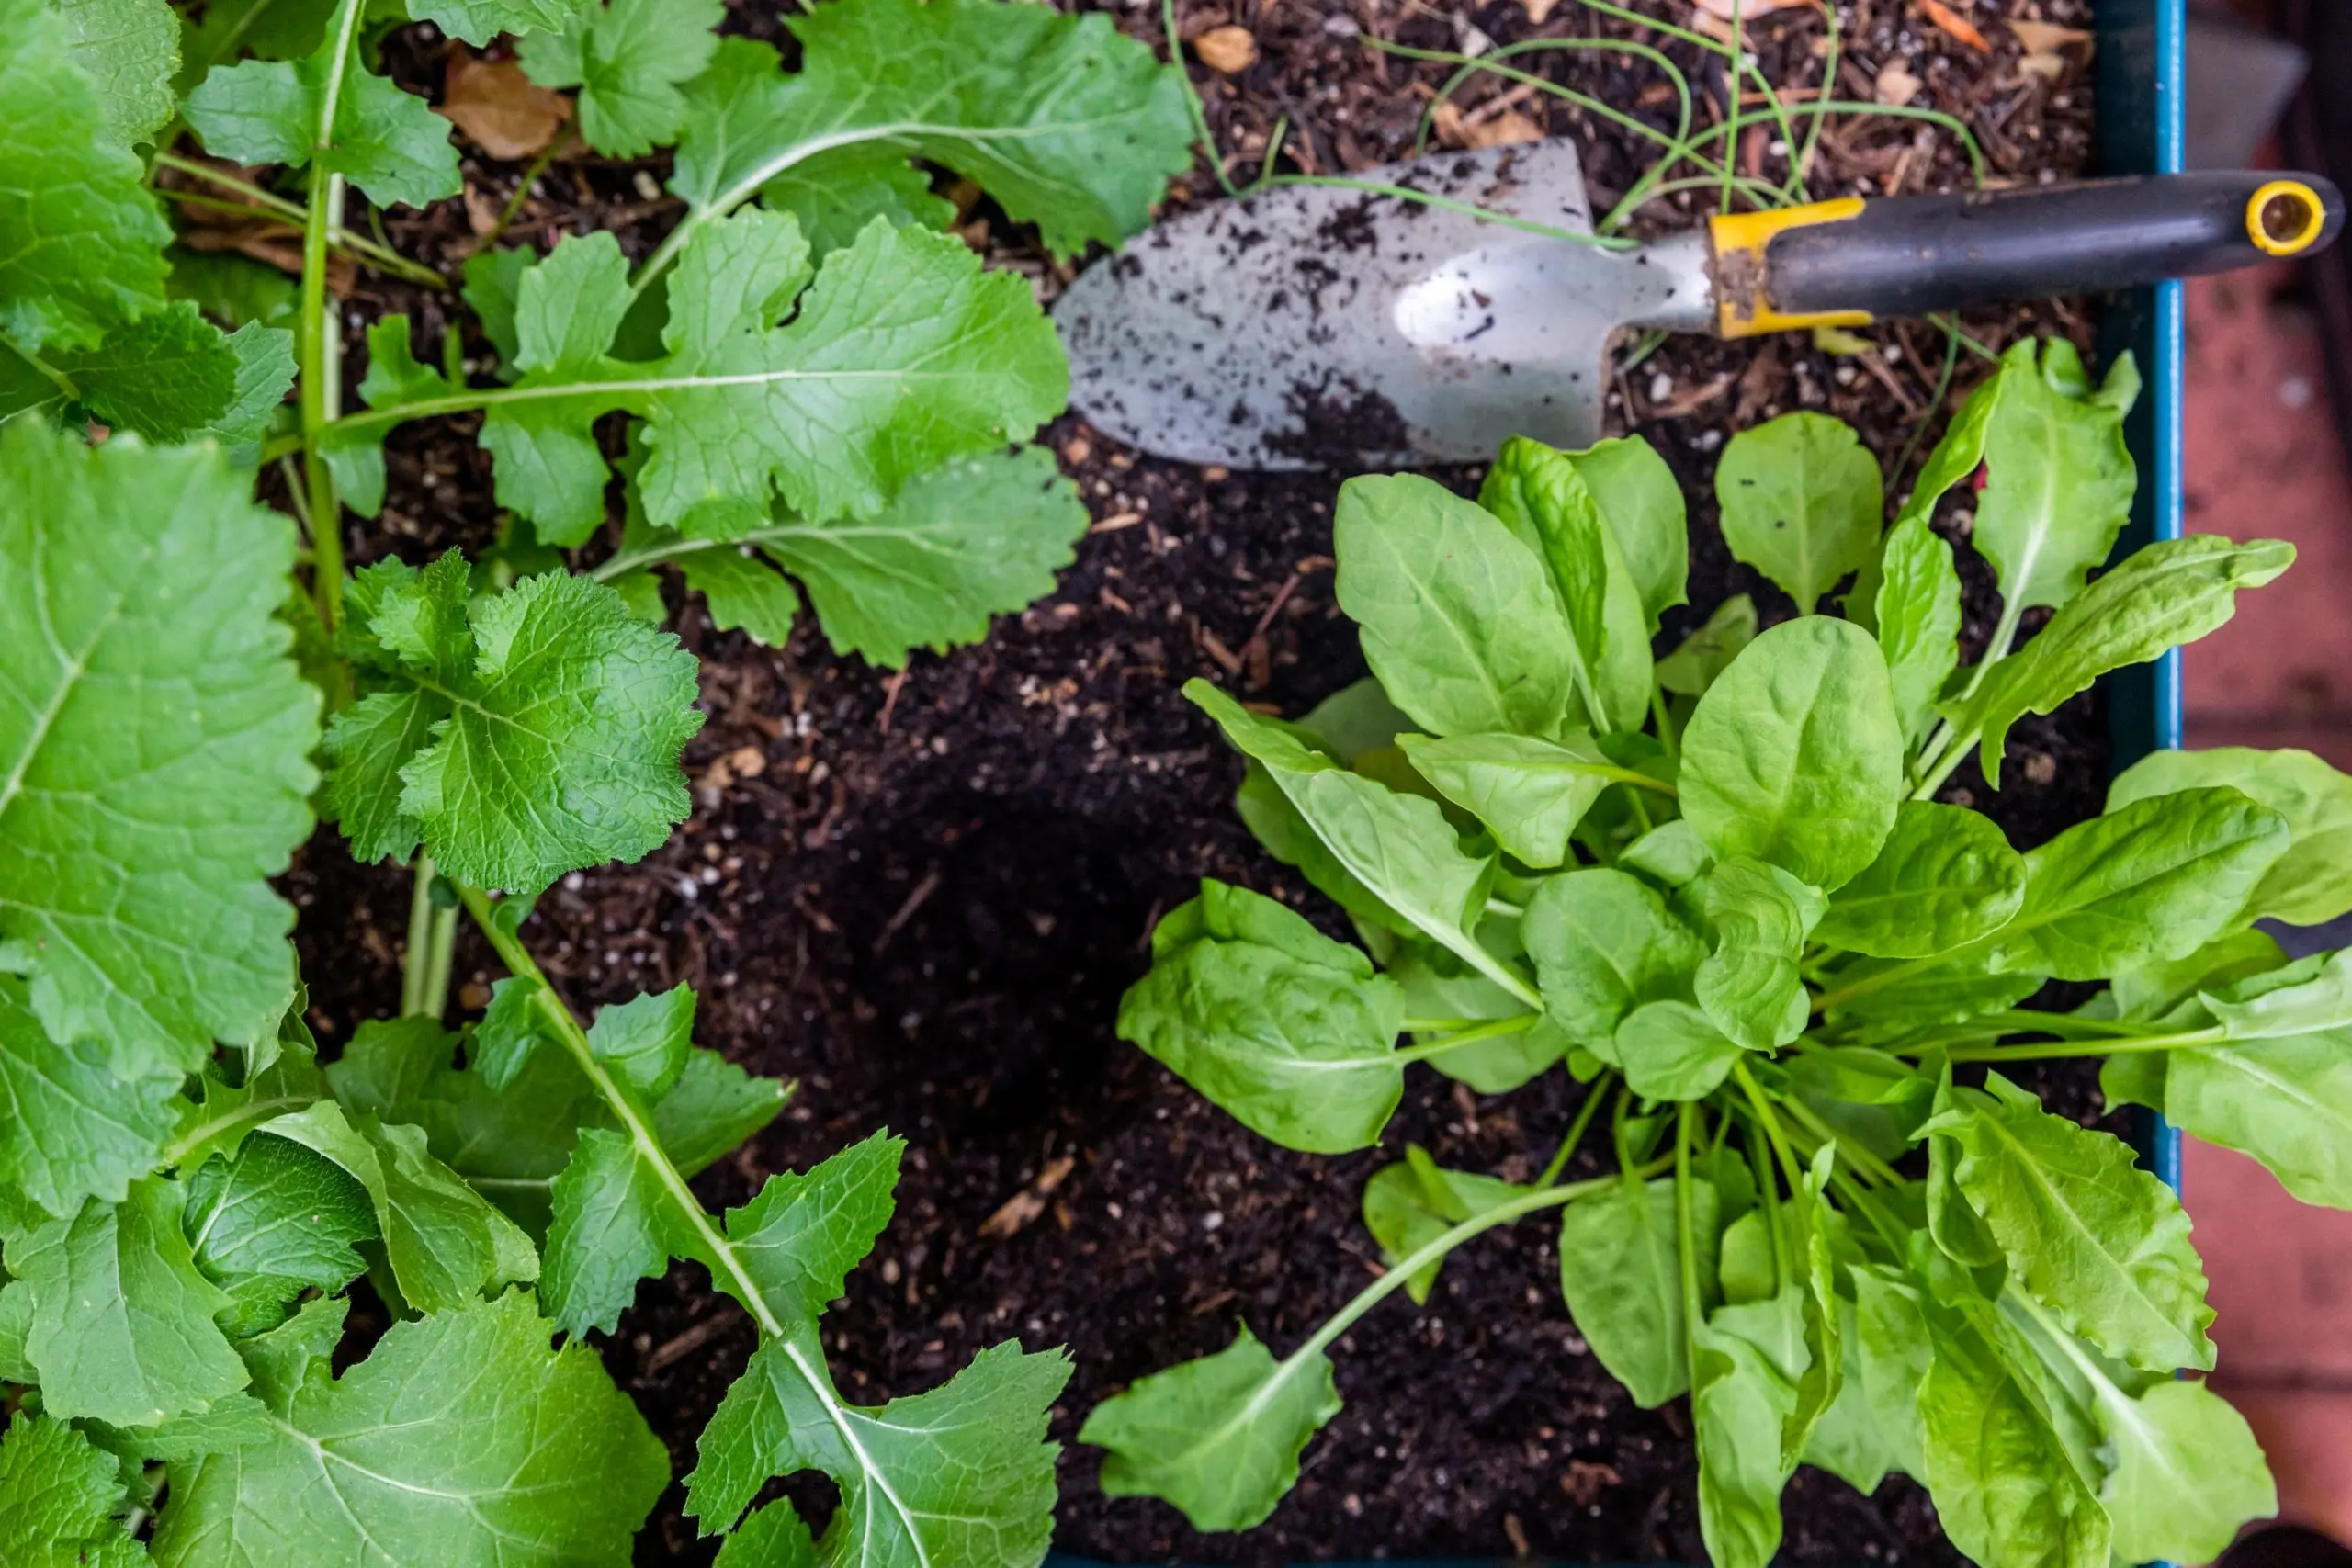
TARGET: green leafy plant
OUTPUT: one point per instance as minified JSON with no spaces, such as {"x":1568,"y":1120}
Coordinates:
{"x":811,"y":382}
{"x":1720,"y":890}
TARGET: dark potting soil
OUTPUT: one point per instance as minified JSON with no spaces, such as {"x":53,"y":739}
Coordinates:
{"x":922,"y":895}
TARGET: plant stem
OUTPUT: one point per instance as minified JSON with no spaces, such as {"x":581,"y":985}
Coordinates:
{"x":1500,"y":1028}
{"x":1201,"y":136}
{"x":1435,"y":1248}
{"x":1585,"y":1113}
{"x":432,"y":946}
{"x":357,"y":246}
{"x":316,"y":342}
{"x":1852,"y":1154}
{"x":1790,"y":1169}
{"x":1686,"y":1231}
{"x":2060,"y":1049}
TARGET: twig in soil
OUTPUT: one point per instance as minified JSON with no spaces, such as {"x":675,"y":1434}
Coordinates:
{"x":891,"y":690}
{"x":906,"y":911}
{"x":680,"y":1347}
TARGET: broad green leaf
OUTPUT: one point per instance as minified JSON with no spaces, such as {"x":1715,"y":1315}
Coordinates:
{"x":961,"y":1474}
{"x":531,"y":732}
{"x":462,"y":1439}
{"x":1743,"y":1389}
{"x":975,"y":537}
{"x":1917,"y":617}
{"x":1944,"y":877}
{"x":2286,"y":1102}
{"x":1673,"y":1051}
{"x":273,"y":1218}
{"x":1706,"y":653}
{"x":2312,"y":883}
{"x":1219,"y":1436}
{"x":1540,"y":496}
{"x":1794,"y":755}
{"x":901,"y":355}
{"x":2188,"y":1472}
{"x":58,"y":1494}
{"x":1459,"y":618}
{"x":387,"y":143}
{"x":2307,"y":997}
{"x":1397,"y":847}
{"x":2005,"y":1488}
{"x":1066,"y":123}
{"x":1605,"y":943}
{"x":479,"y":21}
{"x":1846,"y":1440}
{"x":2171,"y":593}
{"x":1620,"y":1271}
{"x":1802,"y":502}
{"x":2146,"y":995}
{"x":264,"y":360}
{"x":69,"y":1128}
{"x":168,"y":375}
{"x":1411,"y":1203}
{"x":629,"y":58}
{"x":1670,"y":853}
{"x":714,"y":1107}
{"x":80,"y":240}
{"x":2156,"y":880}
{"x":1890,"y":1327}
{"x":2057,"y":488}
{"x":1289,"y":1032}
{"x":130,"y":51}
{"x":1759,"y":916}
{"x":122,"y":1323}
{"x":445,"y":1244}
{"x":1641,"y":502}
{"x":154,"y":744}
{"x":1532,"y":793}
{"x":836,"y":194}
{"x":2101,"y":1243}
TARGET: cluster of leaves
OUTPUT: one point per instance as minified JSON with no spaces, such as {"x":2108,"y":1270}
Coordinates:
{"x":818,"y":382}
{"x":1717,"y":887}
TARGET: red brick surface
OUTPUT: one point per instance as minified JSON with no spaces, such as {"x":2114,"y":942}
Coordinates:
{"x":2263,"y":460}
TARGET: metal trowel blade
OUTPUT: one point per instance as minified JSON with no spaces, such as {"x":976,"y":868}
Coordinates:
{"x":1314,"y":326}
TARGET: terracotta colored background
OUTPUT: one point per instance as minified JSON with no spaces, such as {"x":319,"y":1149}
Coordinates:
{"x":2263,"y":460}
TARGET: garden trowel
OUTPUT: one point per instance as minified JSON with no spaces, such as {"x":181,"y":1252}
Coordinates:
{"x":1331,"y":326}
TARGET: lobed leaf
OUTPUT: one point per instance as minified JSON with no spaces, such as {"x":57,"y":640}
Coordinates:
{"x":629,"y":58}
{"x":1065,"y":123}
{"x":80,"y":240}
{"x":387,"y":143}
{"x":59,"y":1492}
{"x":462,"y":1437}
{"x":154,"y":744}
{"x":517,"y":737}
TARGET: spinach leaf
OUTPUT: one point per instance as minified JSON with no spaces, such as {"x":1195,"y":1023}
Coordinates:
{"x":1944,"y":877}
{"x":1794,"y":755}
{"x":1459,"y":618}
{"x":2311,"y":883}
{"x":1290,"y":1031}
{"x":1802,"y":502}
{"x":1621,"y":1276}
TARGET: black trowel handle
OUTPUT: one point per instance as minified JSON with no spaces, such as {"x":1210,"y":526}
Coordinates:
{"x":1848,"y":261}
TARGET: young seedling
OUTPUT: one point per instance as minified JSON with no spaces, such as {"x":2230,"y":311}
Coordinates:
{"x":1719,"y":889}
{"x":817,"y":381}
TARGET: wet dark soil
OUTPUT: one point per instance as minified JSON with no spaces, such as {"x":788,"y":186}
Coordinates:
{"x":921,"y":895}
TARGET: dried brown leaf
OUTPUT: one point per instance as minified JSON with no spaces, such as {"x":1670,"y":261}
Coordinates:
{"x":500,"y":110}
{"x":1895,"y":84}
